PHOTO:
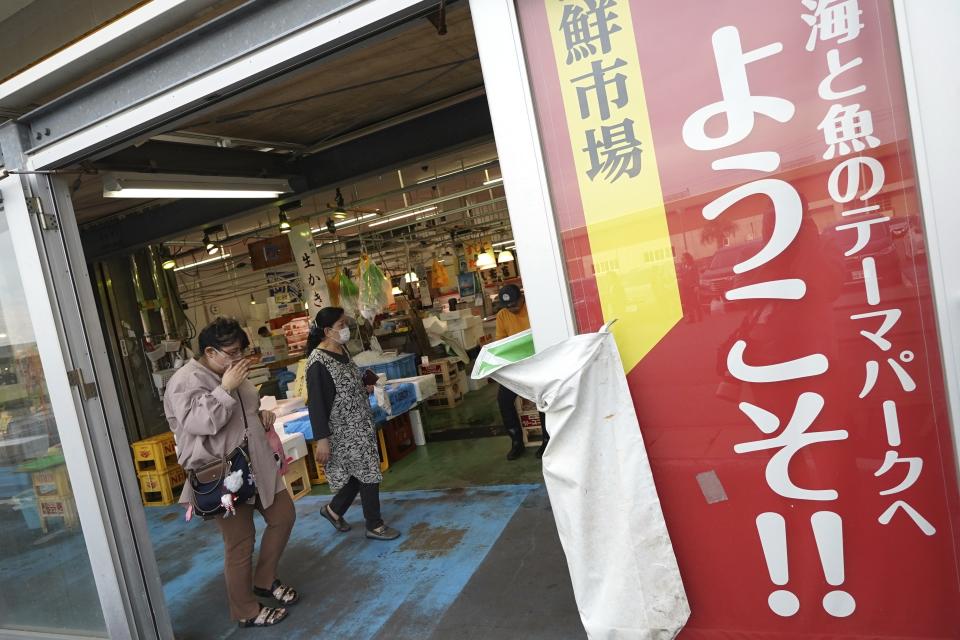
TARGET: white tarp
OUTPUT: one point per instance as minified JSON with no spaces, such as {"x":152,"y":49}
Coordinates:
{"x":624,"y":572}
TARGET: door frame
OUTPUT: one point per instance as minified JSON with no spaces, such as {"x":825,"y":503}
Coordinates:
{"x":77,"y":426}
{"x":926,"y":34}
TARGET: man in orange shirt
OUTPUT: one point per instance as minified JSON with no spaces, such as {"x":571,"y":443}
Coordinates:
{"x":512,"y":319}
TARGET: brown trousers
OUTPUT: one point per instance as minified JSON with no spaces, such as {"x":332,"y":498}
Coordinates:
{"x":239,"y":536}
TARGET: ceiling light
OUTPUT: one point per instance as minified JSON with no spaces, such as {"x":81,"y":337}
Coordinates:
{"x":222,"y":256}
{"x":3,"y":336}
{"x":252,"y":301}
{"x":486,"y":261}
{"x":396,"y":291}
{"x":169,"y":263}
{"x":505,"y":256}
{"x":401,"y":216}
{"x":411,"y":277}
{"x":340,"y":214}
{"x":159,"y":185}
{"x":331,"y":226}
{"x":490,"y":183}
{"x":284,"y":223}
{"x":212,"y":250}
{"x":447,"y":174}
{"x":500,"y":244}
{"x":360,"y":219}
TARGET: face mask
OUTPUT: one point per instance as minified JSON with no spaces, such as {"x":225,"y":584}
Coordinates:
{"x":342,"y":336}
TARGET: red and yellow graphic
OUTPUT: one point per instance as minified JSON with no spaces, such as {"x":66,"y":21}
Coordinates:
{"x":616,"y":166}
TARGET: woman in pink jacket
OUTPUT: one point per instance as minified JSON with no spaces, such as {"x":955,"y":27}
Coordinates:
{"x":211,"y":408}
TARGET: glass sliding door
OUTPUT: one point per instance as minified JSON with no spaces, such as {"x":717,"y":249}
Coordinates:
{"x":48,"y":580}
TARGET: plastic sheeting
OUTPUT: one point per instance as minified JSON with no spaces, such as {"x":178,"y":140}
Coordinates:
{"x":624,"y":572}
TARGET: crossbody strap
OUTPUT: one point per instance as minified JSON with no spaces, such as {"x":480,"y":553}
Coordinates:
{"x":243,"y":412}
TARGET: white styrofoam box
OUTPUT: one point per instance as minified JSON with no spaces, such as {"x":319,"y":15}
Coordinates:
{"x":294,"y":444}
{"x":288,"y":406}
{"x":468,"y":337}
{"x":453,"y":315}
{"x":464,"y":322}
{"x":426,"y":386}
{"x":283,"y":419}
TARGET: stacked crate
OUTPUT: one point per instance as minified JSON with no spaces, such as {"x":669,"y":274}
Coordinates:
{"x":161,"y":478}
{"x":52,"y":490}
{"x":296,"y":332}
{"x":451,"y":381}
{"x":530,"y":424}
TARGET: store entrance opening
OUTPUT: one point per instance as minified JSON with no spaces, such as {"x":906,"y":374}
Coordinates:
{"x":388,"y":202}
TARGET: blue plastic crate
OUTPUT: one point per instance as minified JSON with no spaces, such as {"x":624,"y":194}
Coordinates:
{"x":403,"y":366}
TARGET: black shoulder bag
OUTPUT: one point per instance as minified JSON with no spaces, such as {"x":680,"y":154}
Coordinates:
{"x":207,"y":481}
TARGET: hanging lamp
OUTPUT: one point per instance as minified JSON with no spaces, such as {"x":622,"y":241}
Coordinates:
{"x":486,"y":261}
{"x":505,"y":256}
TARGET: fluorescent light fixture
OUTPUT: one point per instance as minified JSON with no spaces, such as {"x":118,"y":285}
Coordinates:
{"x":222,"y":256}
{"x":160,"y":185}
{"x":3,"y":336}
{"x":339,"y":214}
{"x":212,"y":250}
{"x":505,"y":256}
{"x":492,"y":182}
{"x":500,"y":244}
{"x":447,"y":174}
{"x":486,"y":261}
{"x":401,"y":216}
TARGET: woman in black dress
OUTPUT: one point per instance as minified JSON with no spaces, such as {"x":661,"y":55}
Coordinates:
{"x":343,"y":425}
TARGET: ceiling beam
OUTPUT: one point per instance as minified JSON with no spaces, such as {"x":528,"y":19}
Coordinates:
{"x":404,"y":143}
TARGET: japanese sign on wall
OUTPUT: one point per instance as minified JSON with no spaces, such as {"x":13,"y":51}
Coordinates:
{"x":308,"y":265}
{"x":791,"y":395}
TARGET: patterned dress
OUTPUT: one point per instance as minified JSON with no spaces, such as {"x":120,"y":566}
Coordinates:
{"x":353,"y":435}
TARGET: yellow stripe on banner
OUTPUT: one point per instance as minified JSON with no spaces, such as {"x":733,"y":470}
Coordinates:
{"x":607,"y":117}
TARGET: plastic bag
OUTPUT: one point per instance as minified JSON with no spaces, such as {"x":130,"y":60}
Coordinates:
{"x":625,"y":575}
{"x":333,"y":287}
{"x":373,"y":295}
{"x":349,"y":294}
{"x":439,"y":279}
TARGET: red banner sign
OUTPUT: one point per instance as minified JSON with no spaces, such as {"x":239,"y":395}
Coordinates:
{"x":794,"y":409}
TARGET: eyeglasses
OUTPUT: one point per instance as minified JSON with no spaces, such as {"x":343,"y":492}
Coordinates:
{"x":236,"y":355}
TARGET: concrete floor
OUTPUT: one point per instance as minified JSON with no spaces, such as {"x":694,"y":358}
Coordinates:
{"x":480,"y":557}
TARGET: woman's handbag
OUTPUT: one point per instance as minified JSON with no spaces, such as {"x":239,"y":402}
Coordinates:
{"x":208,"y":481}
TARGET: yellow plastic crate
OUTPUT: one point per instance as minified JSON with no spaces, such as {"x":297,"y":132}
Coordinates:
{"x":316,"y":474}
{"x":158,"y":489}
{"x":58,"y":507}
{"x":382,"y":448}
{"x":52,"y":482}
{"x":297,"y":479}
{"x":156,"y":454}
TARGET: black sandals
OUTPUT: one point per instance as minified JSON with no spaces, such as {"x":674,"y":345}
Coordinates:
{"x":280,"y":592}
{"x":267,"y":617}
